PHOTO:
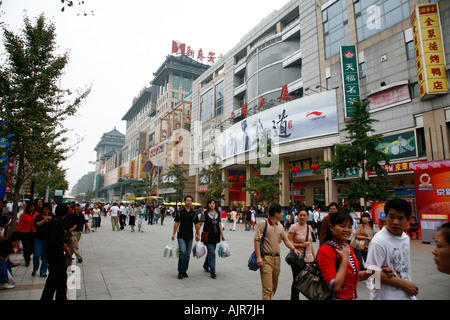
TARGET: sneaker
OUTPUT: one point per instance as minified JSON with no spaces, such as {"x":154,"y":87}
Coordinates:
{"x":185,"y":275}
{"x":6,"y":285}
{"x":213,"y":275}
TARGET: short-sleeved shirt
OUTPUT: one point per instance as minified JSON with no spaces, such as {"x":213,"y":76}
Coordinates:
{"x":274,"y":234}
{"x":300,"y":237}
{"x":187,"y":219}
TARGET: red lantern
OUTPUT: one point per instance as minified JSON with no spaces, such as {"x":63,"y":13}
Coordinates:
{"x":295,"y":169}
{"x":257,"y":173}
{"x":231,"y":178}
{"x":241,"y":177}
{"x":315,"y":166}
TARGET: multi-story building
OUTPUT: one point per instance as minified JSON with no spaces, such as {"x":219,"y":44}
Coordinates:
{"x":287,"y":76}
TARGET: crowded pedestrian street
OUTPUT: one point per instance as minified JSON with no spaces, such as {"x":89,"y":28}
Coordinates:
{"x":125,"y":265}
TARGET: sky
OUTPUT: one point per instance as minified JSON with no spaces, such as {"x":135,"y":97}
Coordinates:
{"x":120,"y":46}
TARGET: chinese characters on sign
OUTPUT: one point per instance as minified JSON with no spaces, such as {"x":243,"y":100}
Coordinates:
{"x":350,"y":78}
{"x":181,"y":49}
{"x":389,"y":98}
{"x":429,"y":51}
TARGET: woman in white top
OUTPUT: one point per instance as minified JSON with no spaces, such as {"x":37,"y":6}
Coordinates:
{"x":95,"y":217}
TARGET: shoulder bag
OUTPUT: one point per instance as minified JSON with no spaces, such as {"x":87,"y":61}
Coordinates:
{"x":293,"y":259}
{"x":311,"y":284}
{"x":356,"y":243}
{"x":252,"y":261}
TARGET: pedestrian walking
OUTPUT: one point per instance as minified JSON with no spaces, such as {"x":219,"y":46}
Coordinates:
{"x":324,"y":228}
{"x":132,"y":216}
{"x":213,"y":228}
{"x":223,"y":218}
{"x":25,"y":226}
{"x":185,"y":221}
{"x":163,"y":213}
{"x":114,"y":213}
{"x":269,"y":259}
{"x":142,"y":214}
{"x":298,"y":233}
{"x":96,"y":215}
{"x":80,"y":223}
{"x":233,"y":219}
{"x":247,"y":219}
{"x":56,"y":248}
{"x":40,"y":242}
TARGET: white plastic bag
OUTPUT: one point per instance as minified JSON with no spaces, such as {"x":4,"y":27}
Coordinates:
{"x":224,"y":250}
{"x":198,"y":250}
{"x":170,"y":251}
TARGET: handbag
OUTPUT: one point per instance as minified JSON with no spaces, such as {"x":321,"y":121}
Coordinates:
{"x":204,"y":235}
{"x":356,"y":243}
{"x":311,"y":284}
{"x":293,"y":259}
{"x":252,"y":261}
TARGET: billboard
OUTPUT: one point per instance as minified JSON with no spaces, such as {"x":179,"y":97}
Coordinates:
{"x":304,"y":118}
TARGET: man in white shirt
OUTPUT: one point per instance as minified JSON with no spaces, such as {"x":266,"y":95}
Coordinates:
{"x":390,"y":248}
{"x":122,"y":216}
{"x":114,"y":213}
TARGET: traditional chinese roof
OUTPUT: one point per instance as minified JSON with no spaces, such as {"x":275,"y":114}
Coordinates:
{"x":182,"y":64}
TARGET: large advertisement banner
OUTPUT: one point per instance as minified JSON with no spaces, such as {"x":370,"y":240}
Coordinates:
{"x":432,"y":182}
{"x":308,"y":117}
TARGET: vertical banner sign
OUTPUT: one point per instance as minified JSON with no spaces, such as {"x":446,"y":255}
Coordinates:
{"x":350,"y":78}
{"x":429,"y":50}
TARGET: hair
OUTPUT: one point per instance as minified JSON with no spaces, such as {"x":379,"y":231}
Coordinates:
{"x":215,"y":205}
{"x":333,"y":204}
{"x":274,"y":208}
{"x":399,"y":205}
{"x":445,"y":229}
{"x":366,"y":215}
{"x":61,"y":210}
{"x":15,"y":236}
{"x":340,"y":217}
{"x":28,"y":206}
{"x":188,"y":197}
{"x":47,"y":205}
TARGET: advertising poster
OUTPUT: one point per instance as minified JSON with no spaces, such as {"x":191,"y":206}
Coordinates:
{"x":432,"y":182}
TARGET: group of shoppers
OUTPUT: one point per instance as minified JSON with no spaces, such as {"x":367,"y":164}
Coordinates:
{"x":341,"y":265}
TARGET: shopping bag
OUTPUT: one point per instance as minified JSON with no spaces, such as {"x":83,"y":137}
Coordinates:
{"x":224,"y":250}
{"x":198,"y":250}
{"x":170,"y":251}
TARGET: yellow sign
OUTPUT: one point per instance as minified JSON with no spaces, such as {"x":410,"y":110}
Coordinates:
{"x":429,"y":50}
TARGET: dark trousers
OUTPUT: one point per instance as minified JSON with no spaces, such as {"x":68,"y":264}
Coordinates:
{"x":57,"y":278}
{"x":28,"y":246}
{"x":122,"y":221}
{"x":295,"y":294}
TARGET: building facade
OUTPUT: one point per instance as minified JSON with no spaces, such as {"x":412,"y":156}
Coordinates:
{"x":287,"y":76}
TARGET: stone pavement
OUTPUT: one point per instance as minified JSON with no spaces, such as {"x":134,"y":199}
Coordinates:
{"x":124,"y":265}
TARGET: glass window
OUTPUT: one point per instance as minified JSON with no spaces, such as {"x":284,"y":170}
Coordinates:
{"x":219,"y":100}
{"x":375,"y":16}
{"x":335,"y":25}
{"x":175,"y":81}
{"x":186,"y":84}
{"x":410,"y":50}
{"x":206,"y":106}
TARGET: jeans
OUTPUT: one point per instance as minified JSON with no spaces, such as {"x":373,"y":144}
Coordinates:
{"x":5,"y":266}
{"x":96,"y":221}
{"x":40,"y":248}
{"x":210,"y":260}
{"x":184,"y":247}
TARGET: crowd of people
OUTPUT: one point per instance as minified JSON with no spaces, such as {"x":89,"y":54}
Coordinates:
{"x":50,"y":234}
{"x":341,"y":264}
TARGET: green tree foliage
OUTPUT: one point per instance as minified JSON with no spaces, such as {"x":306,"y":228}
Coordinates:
{"x":216,"y":185}
{"x":33,"y":107}
{"x":263,"y":185}
{"x":361,"y":154}
{"x":176,"y":178}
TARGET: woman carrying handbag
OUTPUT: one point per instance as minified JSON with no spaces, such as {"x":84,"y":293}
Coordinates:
{"x":301,"y":237}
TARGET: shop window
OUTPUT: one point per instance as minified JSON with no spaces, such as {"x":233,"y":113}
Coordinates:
{"x":421,"y":145}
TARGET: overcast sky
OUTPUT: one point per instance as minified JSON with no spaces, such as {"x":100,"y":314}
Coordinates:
{"x":118,"y":49}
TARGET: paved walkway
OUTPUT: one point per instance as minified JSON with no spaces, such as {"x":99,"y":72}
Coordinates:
{"x":121,"y":265}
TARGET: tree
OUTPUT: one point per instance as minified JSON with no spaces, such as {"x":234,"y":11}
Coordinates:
{"x":32,"y":104}
{"x":263,"y":185}
{"x":176,"y":179}
{"x":216,"y":185}
{"x":361,"y":155}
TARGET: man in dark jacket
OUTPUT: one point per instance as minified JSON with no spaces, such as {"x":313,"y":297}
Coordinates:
{"x":56,"y":247}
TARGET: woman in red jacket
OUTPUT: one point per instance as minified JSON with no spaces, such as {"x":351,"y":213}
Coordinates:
{"x":337,"y":261}
{"x":25,"y":226}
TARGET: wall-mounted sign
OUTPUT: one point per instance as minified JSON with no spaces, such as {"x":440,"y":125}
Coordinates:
{"x":308,"y":117}
{"x":350,"y":78}
{"x":303,"y":165}
{"x":398,"y":146}
{"x":429,"y":50}
{"x":389,"y":98}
